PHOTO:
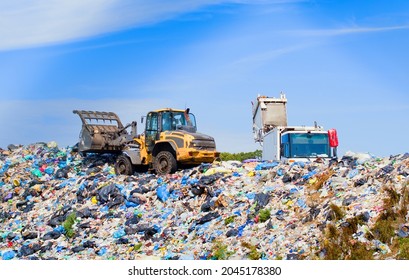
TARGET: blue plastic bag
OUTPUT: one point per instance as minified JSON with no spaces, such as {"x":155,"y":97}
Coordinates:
{"x":162,"y":193}
{"x":8,"y":255}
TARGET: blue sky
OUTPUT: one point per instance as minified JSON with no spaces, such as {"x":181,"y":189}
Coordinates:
{"x":344,"y":64}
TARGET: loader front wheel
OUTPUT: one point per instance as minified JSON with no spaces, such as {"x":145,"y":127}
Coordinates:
{"x":123,"y":166}
{"x":165,"y":163}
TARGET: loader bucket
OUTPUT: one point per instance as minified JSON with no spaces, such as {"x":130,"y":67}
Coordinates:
{"x":99,"y":132}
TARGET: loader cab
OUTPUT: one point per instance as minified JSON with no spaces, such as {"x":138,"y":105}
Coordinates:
{"x":167,"y":120}
{"x":177,"y":120}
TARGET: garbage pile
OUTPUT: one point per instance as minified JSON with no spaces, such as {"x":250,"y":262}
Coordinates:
{"x":56,"y":204}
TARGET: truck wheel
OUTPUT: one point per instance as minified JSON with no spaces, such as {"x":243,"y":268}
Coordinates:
{"x":165,"y":163}
{"x":123,"y":166}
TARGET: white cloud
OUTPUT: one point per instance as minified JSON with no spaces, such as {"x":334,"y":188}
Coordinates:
{"x":345,"y":31}
{"x":266,"y":56}
{"x":262,"y":57}
{"x":28,"y":23}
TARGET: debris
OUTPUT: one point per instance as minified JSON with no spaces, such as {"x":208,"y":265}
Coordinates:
{"x":58,"y":204}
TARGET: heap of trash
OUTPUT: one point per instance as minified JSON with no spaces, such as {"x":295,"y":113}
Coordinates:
{"x":56,"y":204}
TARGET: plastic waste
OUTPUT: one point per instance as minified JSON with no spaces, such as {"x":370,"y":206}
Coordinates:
{"x":119,"y":233}
{"x":266,"y":165}
{"x":353,"y":173}
{"x":208,"y":217}
{"x":282,"y":209}
{"x":8,"y":255}
{"x":163,"y":193}
{"x":403,"y":231}
{"x":37,"y":173}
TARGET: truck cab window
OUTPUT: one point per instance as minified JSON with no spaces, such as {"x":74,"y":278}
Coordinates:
{"x":309,"y":145}
{"x":285,"y":147}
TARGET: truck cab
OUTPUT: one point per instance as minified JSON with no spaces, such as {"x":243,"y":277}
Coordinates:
{"x":303,"y":145}
{"x":281,"y":142}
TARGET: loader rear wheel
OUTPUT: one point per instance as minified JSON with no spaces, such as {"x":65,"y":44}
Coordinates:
{"x":165,"y":163}
{"x":123,"y":166}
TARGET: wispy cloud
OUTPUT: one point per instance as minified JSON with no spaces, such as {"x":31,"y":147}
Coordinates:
{"x":344,"y":31}
{"x":266,"y":56}
{"x":41,"y":22}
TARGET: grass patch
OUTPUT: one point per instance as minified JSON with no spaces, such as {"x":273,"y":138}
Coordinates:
{"x":395,"y":214}
{"x":338,"y":244}
{"x":336,"y":212}
{"x":264,"y":215}
{"x":403,"y":253}
{"x":392,"y":198}
{"x":404,"y":201}
{"x":68,"y":224}
{"x":350,"y":226}
{"x":331,"y":231}
{"x":229,"y":220}
{"x":360,"y":252}
{"x":137,"y":247}
{"x":253,"y":254}
{"x":220,"y":251}
{"x":383,"y":230}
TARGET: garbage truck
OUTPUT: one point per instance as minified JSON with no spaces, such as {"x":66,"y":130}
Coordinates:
{"x":170,"y":139}
{"x":282,"y":142}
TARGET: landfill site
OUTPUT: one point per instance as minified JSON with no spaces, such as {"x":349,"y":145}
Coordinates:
{"x":56,"y":204}
{"x":168,"y":194}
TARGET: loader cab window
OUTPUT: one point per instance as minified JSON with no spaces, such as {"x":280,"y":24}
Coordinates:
{"x":178,"y":120}
{"x":151,"y":131}
{"x":167,"y":121}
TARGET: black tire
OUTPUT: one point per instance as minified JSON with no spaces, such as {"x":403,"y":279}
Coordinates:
{"x":165,"y":163}
{"x":123,"y":166}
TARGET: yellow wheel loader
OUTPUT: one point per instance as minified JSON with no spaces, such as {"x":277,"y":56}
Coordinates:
{"x":170,"y":140}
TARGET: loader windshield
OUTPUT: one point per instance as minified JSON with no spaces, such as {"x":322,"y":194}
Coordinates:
{"x":306,"y":145}
{"x":178,"y":120}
